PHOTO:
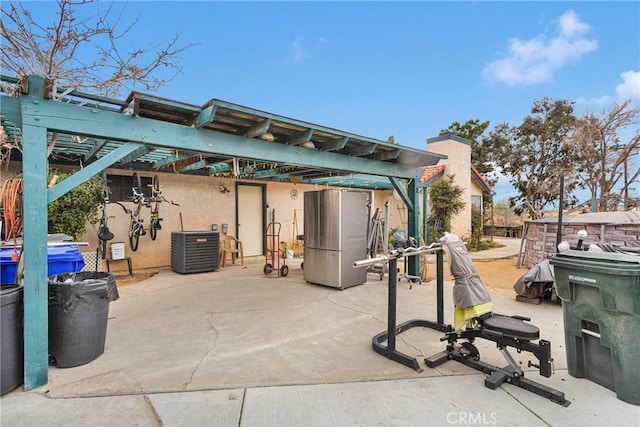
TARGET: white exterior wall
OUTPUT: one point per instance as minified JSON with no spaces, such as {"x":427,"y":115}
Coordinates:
{"x":201,"y":205}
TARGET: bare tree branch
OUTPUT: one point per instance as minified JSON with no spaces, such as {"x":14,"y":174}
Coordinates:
{"x":606,"y":145}
{"x":57,"y":51}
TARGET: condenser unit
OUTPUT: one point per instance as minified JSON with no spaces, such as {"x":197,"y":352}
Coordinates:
{"x":195,"y":251}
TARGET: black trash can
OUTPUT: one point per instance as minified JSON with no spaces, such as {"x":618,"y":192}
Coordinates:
{"x":78,"y":313}
{"x":11,"y":335}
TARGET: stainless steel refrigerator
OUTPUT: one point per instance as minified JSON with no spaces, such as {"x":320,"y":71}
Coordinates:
{"x":335,"y":235}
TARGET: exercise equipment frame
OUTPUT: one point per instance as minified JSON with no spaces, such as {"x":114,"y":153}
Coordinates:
{"x":465,"y":354}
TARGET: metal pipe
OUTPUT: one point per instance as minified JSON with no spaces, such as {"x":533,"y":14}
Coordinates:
{"x":395,"y":254}
{"x":440,"y":286}
{"x":560,"y":206}
{"x":392,"y":306}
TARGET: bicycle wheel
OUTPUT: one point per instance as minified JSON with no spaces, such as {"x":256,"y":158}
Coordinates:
{"x":133,"y":241}
{"x":134,"y":237}
{"x":155,"y":186}
{"x":153,"y":230}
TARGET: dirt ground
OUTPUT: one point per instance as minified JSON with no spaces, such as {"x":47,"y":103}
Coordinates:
{"x":498,"y":276}
{"x":123,"y":279}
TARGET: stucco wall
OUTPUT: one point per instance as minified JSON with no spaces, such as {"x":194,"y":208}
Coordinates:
{"x":458,"y":163}
{"x":201,"y":205}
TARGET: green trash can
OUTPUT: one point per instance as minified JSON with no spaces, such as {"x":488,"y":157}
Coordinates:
{"x":600,"y":293}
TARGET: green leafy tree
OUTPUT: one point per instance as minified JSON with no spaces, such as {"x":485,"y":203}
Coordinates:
{"x":70,"y":213}
{"x":536,"y":154}
{"x":477,"y":228}
{"x":445,"y":200}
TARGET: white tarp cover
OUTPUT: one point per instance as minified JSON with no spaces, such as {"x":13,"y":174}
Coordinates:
{"x":539,"y":273}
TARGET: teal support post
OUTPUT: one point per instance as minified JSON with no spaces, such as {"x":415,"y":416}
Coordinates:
{"x":34,"y":250}
{"x":425,"y":215}
{"x":413,"y":219}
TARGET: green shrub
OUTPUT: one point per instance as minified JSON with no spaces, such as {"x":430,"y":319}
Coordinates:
{"x":70,"y":213}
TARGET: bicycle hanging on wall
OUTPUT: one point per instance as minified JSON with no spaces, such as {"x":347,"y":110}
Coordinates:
{"x":156,"y":199}
{"x":136,"y":223}
{"x":136,"y":226}
{"x":104,"y":234}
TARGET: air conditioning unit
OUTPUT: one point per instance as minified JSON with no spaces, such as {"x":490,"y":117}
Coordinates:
{"x":195,"y":251}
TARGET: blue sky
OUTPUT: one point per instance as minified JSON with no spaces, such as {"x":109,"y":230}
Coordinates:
{"x":407,"y":69}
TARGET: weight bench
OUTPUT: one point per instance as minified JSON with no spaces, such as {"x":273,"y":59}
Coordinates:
{"x":505,"y":331}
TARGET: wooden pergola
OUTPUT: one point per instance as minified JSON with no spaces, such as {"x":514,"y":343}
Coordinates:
{"x":145,"y":132}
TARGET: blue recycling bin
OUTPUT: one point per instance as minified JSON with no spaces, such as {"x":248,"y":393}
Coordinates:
{"x":60,"y":259}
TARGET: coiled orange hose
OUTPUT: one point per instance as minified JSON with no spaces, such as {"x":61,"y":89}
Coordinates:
{"x":11,"y":200}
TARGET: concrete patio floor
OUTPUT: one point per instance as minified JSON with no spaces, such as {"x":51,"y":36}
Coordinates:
{"x":232,"y":347}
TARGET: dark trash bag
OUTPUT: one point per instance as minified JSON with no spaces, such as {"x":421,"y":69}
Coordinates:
{"x":78,"y":314}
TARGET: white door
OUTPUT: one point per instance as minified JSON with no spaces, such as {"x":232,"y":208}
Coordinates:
{"x":251,"y":218}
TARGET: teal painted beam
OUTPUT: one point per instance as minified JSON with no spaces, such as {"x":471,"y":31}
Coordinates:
{"x":133,"y":154}
{"x":349,"y":182}
{"x":94,"y":168}
{"x":335,"y":145}
{"x":34,"y":250}
{"x":109,"y":125}
{"x":425,"y":215}
{"x":413,"y":219}
{"x":9,"y":79}
{"x":403,"y":194}
{"x":176,"y":105}
{"x":258,"y":129}
{"x":11,"y":109}
{"x":95,"y":149}
{"x":195,"y":166}
{"x":353,"y":180}
{"x":300,"y":137}
{"x":206,"y":116}
{"x":263,"y":174}
{"x":300,"y":123}
{"x":170,"y":160}
{"x":363,"y":151}
{"x":218,"y":167}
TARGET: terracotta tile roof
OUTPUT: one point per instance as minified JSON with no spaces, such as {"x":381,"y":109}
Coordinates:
{"x":483,"y":182}
{"x":431,"y":172}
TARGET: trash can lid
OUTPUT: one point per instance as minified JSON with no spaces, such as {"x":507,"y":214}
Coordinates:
{"x":10,"y":294}
{"x":608,"y":257}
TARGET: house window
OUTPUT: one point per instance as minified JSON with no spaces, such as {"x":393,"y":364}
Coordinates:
{"x":120,"y":187}
{"x":476,"y":203}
